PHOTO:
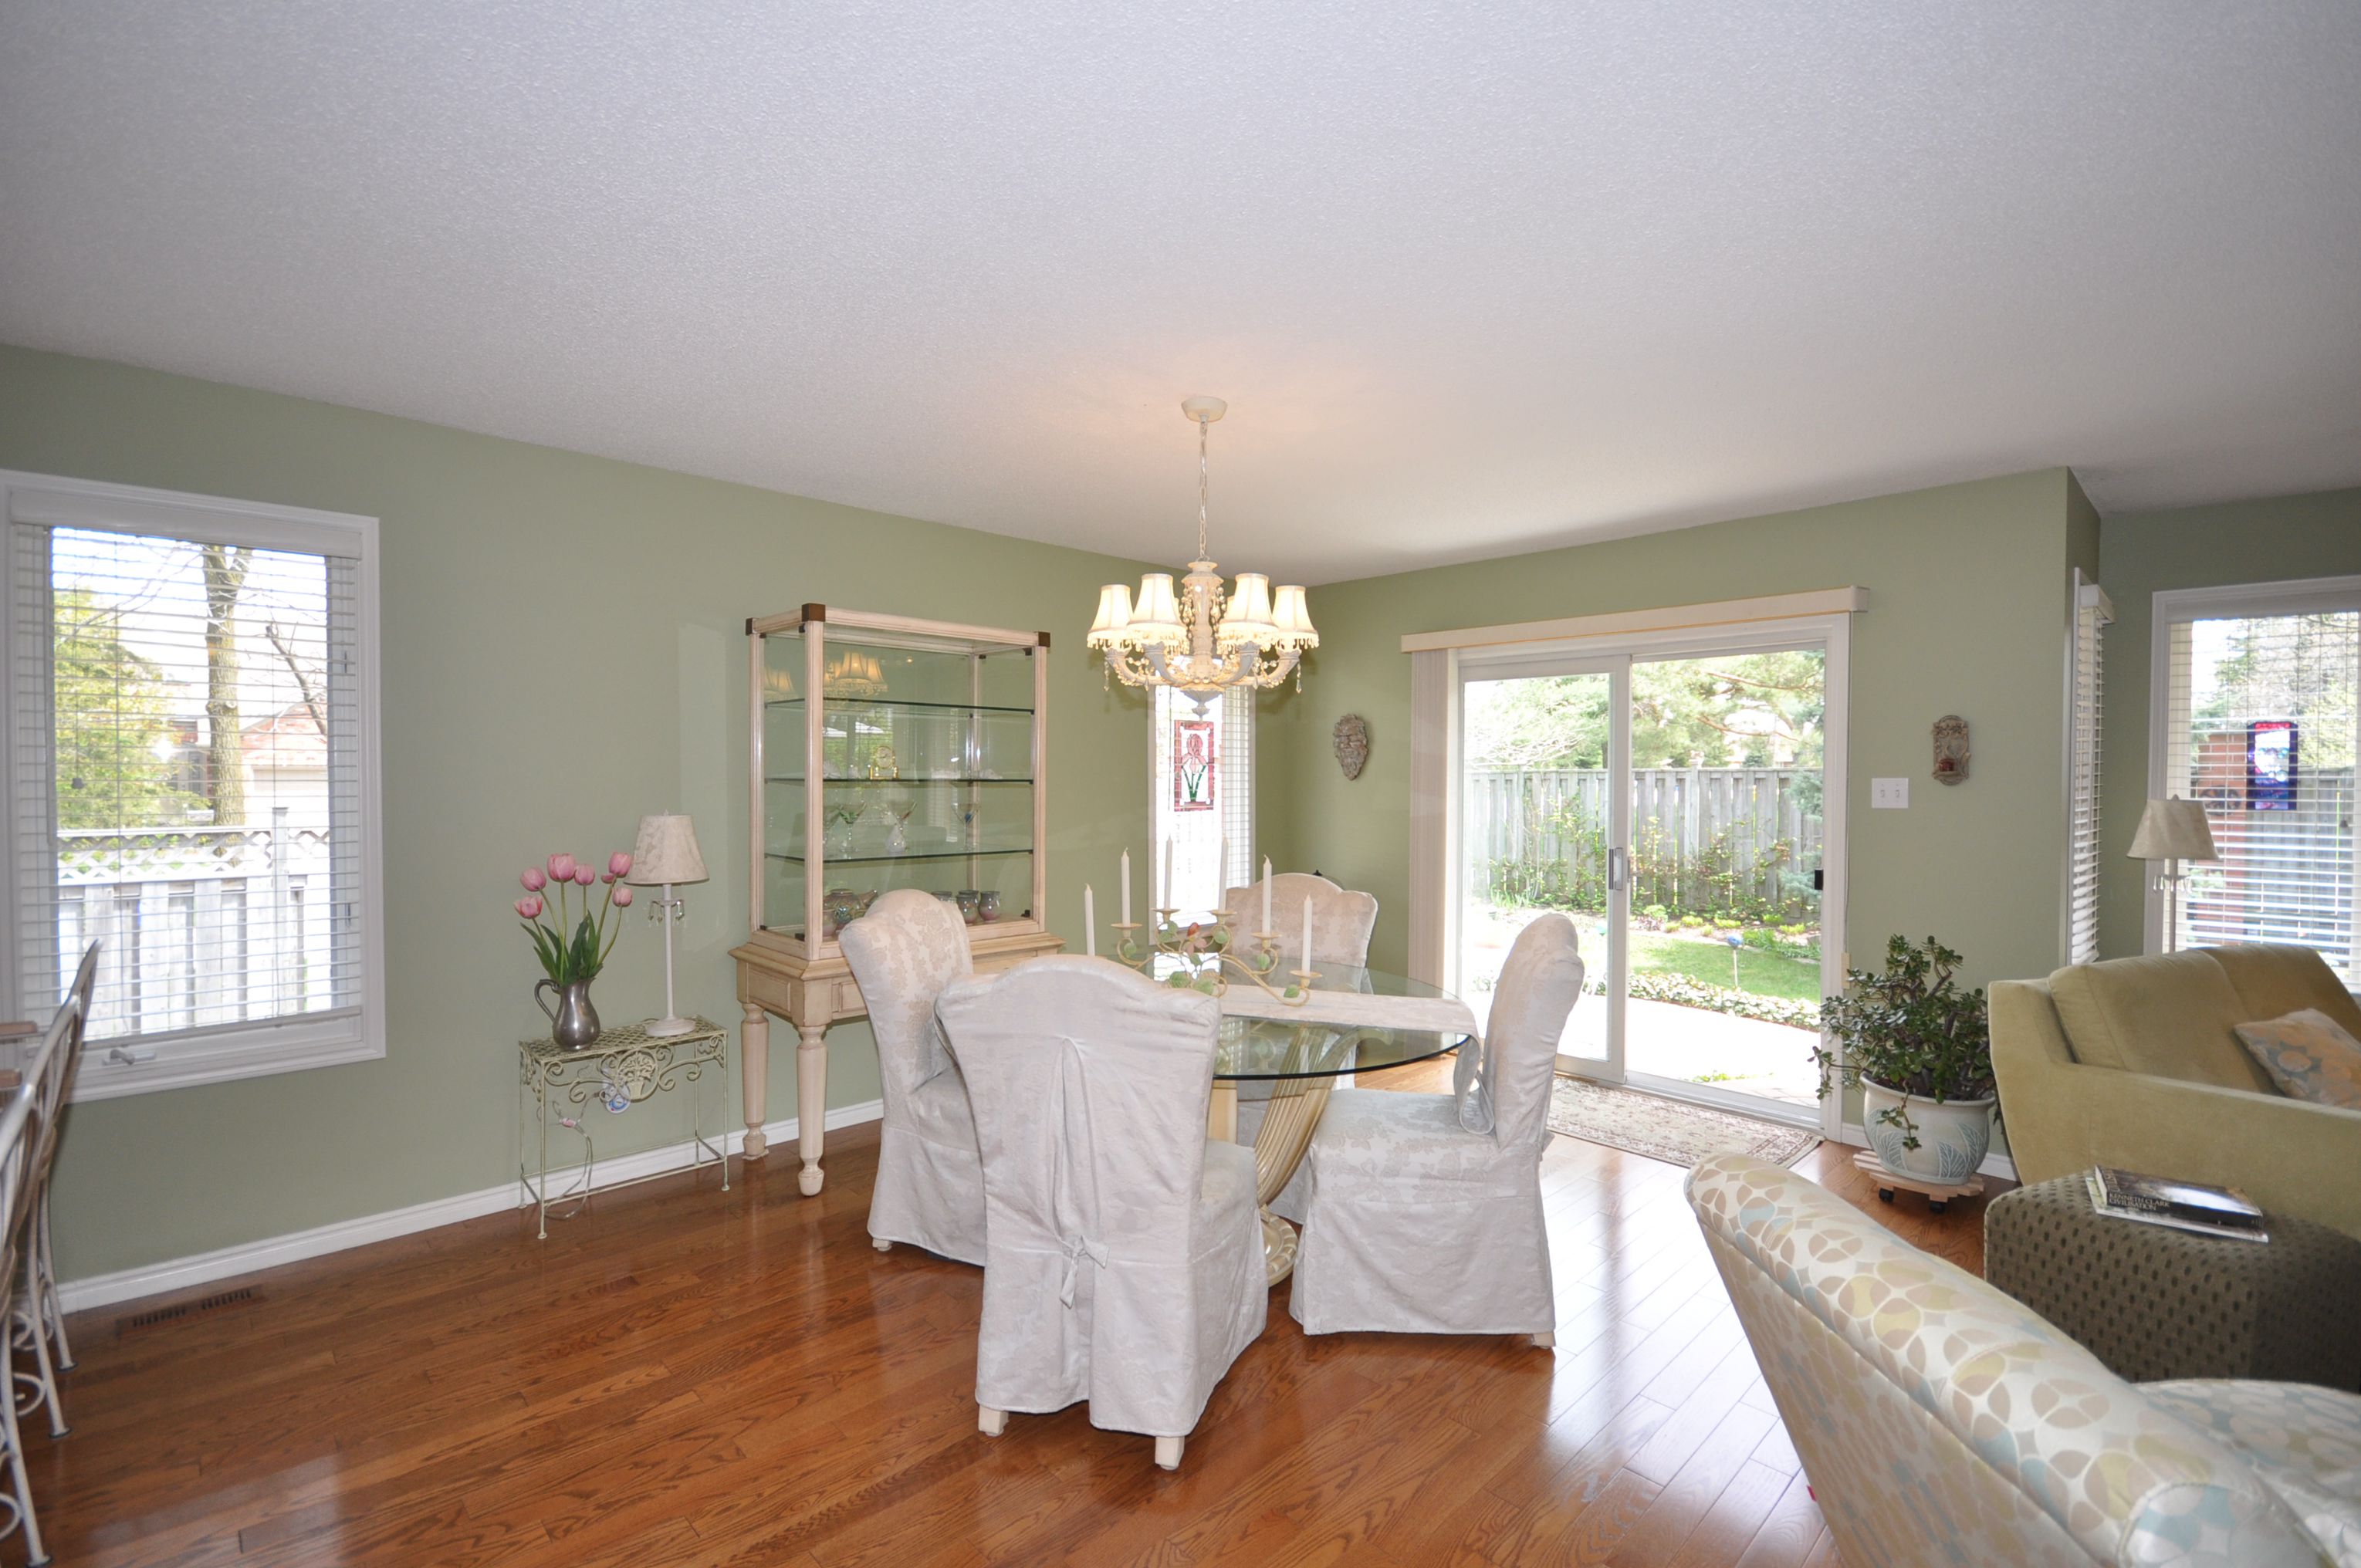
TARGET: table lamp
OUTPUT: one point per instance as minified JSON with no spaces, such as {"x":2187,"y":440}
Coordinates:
{"x":666,"y":855}
{"x":2173,"y":831}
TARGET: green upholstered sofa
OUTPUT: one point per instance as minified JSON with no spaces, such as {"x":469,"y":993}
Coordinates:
{"x":2133,"y":1062}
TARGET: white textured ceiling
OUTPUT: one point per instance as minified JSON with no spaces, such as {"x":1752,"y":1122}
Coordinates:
{"x":1475,"y":277}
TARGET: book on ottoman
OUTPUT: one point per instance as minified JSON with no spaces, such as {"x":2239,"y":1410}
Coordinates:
{"x":2184,"y":1205}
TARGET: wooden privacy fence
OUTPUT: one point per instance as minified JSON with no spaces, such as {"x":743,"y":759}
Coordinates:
{"x":1703,"y":839}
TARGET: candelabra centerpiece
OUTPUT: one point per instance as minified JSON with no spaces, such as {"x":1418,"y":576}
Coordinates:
{"x":1206,"y":952}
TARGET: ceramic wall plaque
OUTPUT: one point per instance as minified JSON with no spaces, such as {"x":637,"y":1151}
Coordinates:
{"x":1352,"y":744}
{"x":1950,"y":748}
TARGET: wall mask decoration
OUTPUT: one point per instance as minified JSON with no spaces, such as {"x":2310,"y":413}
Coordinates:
{"x":1950,"y":748}
{"x":1352,"y":744}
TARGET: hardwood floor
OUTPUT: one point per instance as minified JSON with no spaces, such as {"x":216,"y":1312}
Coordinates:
{"x":692,"y":1377}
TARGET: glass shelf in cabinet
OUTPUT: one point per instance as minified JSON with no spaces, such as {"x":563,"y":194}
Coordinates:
{"x":907,"y":779}
{"x":863,"y":705}
{"x":796,"y":856}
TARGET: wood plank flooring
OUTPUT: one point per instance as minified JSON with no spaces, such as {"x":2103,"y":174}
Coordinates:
{"x":684,"y":1376}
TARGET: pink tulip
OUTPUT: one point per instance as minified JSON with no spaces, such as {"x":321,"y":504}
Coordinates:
{"x":623,"y":896}
{"x":529,"y":907}
{"x":584,"y":876}
{"x":606,"y":876}
{"x":533,"y":879}
{"x":619,"y":864}
{"x":561,"y":867}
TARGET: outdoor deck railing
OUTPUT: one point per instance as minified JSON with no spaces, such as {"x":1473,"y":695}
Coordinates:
{"x":199,"y":926}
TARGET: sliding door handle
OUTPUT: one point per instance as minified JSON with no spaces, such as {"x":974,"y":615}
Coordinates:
{"x":1619,"y":869}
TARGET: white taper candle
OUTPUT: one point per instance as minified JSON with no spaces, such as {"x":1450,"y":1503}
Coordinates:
{"x":1090,"y":924}
{"x":1304,"y":961}
{"x":1266,"y":893}
{"x":1221,"y":873}
{"x":1126,"y":887}
{"x":1165,"y":902}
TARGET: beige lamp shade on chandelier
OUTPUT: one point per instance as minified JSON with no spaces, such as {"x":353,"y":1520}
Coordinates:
{"x":666,"y":856}
{"x":1199,"y":639}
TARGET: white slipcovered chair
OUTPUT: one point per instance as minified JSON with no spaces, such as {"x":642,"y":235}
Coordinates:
{"x":930,"y":1188}
{"x":1124,"y":1263}
{"x":1424,"y":1211}
{"x":1343,"y":920}
{"x":1941,"y":1422}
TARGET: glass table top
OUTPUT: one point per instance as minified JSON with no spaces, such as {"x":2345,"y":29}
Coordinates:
{"x":1356,"y":1020}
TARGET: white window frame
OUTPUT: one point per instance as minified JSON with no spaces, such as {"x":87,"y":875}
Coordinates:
{"x":222,"y":1053}
{"x":1160,"y":785}
{"x":2173,"y":607}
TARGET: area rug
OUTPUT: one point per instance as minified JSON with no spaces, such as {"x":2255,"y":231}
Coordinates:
{"x":1671,"y":1130}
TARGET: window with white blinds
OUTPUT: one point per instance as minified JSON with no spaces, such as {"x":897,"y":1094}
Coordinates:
{"x":1202,"y":811}
{"x":2255,"y":697}
{"x":2085,"y":691}
{"x":192,"y":782}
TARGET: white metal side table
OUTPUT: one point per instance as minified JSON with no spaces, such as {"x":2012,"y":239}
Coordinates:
{"x":623,"y":1063}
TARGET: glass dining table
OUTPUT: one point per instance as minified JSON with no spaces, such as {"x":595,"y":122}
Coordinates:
{"x":1348,"y":1022}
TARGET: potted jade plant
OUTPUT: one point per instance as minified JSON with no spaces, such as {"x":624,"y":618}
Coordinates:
{"x":1919,"y":1049}
{"x":571,"y":959}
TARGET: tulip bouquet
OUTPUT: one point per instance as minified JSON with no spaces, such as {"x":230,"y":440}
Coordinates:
{"x":578,"y":957}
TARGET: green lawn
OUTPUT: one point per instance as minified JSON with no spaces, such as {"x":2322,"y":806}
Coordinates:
{"x":1763,"y":974}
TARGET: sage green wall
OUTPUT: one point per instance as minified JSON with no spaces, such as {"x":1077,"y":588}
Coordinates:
{"x":563,"y":649}
{"x":2195,"y":547}
{"x":1967,"y":595}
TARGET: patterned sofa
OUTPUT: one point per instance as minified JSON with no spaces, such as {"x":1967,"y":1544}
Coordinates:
{"x":1942,"y":1422}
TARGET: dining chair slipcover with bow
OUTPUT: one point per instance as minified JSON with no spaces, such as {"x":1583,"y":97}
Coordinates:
{"x":930,"y":1190}
{"x":1424,"y":1211}
{"x":1124,"y":1257}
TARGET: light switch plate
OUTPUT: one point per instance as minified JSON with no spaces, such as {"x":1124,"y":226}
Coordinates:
{"x":1889,"y":794}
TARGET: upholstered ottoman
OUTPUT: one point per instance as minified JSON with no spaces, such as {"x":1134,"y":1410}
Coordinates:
{"x":2155,"y":1303}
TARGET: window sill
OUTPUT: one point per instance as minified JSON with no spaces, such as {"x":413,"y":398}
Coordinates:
{"x":221,"y":1056}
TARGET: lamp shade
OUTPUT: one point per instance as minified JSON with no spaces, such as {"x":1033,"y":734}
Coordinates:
{"x":1157,"y":617}
{"x":1247,"y":618}
{"x":1294,"y":617}
{"x":666,"y":852}
{"x":2173,"y":830}
{"x":1114,"y":615}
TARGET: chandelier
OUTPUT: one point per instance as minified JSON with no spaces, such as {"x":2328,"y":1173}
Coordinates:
{"x":1203,"y":642}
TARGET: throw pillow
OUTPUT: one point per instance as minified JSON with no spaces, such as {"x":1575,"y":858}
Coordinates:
{"x":2309,"y":1056}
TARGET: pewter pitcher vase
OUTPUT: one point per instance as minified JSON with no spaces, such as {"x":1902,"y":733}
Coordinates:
{"x":574,"y":1023}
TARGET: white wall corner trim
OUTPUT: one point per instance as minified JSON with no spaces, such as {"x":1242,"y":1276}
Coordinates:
{"x":1669,"y":618}
{"x":203,"y":1268}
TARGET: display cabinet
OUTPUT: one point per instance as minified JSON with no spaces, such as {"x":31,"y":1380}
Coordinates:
{"x":887,"y":752}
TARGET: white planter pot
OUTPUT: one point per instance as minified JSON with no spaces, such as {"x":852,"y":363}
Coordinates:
{"x":1954,"y":1135}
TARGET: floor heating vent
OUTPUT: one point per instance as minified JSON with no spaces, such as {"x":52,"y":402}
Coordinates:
{"x":181,"y":1310}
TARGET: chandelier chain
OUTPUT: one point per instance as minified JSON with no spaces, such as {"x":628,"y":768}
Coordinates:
{"x":1204,"y":482}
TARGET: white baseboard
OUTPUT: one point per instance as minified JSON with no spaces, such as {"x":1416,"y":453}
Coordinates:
{"x":1998,"y":1165}
{"x":181,"y":1273}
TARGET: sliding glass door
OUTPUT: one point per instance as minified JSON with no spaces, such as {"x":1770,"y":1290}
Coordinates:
{"x":1670,"y":796}
{"x":1724,"y":913}
{"x":1541,"y":827}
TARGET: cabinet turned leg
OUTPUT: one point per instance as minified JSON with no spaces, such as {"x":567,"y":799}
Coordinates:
{"x":811,"y":1104}
{"x":754,"y":1064}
